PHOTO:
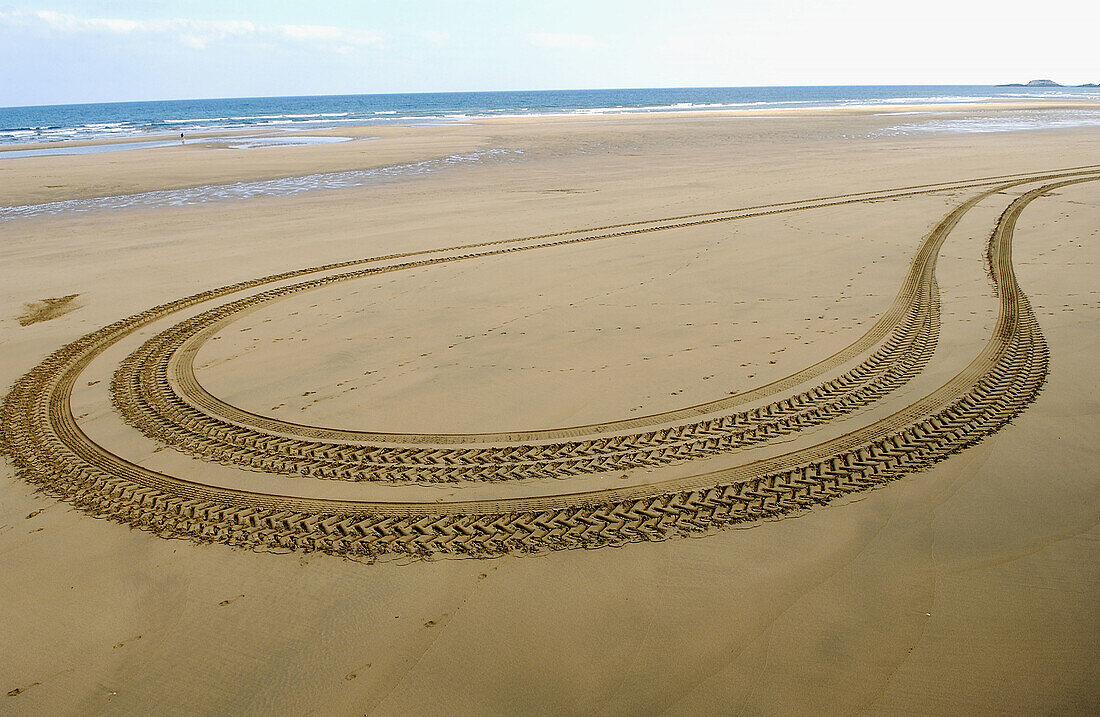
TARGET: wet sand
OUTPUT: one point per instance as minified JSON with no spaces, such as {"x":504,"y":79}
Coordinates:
{"x":966,"y":587}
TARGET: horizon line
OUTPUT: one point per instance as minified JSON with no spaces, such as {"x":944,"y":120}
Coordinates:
{"x":520,"y":91}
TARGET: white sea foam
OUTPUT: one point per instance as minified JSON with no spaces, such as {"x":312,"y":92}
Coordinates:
{"x":284,"y":187}
{"x":272,"y":113}
{"x":290,"y":116}
{"x":195,"y":119}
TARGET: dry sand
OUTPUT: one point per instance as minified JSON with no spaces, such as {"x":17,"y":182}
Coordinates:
{"x":967,"y":587}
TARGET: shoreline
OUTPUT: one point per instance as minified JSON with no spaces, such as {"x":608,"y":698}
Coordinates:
{"x":960,"y":588}
{"x":208,"y":164}
{"x":355,"y":129}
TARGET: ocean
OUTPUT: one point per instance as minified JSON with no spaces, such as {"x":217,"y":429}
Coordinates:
{"x":268,"y":121}
{"x":294,"y":114}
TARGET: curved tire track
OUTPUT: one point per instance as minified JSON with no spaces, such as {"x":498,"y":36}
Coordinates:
{"x":49,"y":450}
{"x":182,"y":414}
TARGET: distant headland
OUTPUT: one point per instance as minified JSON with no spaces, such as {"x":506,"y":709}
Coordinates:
{"x":1046,"y":83}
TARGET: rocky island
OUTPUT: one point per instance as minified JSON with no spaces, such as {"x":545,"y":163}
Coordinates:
{"x":1046,"y":83}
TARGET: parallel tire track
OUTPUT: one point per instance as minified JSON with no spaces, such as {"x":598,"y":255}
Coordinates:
{"x":191,"y":430}
{"x":49,"y":450}
{"x":192,"y":420}
{"x":146,"y":399}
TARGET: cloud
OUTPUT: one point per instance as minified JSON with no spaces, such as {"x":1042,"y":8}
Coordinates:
{"x":564,"y":41}
{"x":435,"y":37}
{"x":337,"y":39}
{"x":195,"y":34}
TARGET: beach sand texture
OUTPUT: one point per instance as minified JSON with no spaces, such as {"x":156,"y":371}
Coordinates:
{"x":724,"y":413}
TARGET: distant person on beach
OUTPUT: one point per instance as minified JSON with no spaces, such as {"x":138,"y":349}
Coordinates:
{"x":181,"y":137}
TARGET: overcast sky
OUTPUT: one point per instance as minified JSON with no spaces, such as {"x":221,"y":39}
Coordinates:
{"x":98,"y":50}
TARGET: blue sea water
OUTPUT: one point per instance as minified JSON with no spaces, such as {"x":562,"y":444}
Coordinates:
{"x":273,"y":121}
{"x":137,"y":119}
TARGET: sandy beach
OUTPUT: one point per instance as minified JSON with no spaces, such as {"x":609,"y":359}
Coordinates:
{"x":784,"y":412}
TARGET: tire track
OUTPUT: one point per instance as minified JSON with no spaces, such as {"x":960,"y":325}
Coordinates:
{"x":49,"y":450}
{"x":180,"y":413}
{"x":898,"y":310}
{"x":160,"y":413}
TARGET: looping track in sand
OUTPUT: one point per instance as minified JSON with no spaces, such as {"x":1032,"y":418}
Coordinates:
{"x":156,"y":391}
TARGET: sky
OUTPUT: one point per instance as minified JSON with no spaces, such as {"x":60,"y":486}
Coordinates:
{"x":123,"y":50}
